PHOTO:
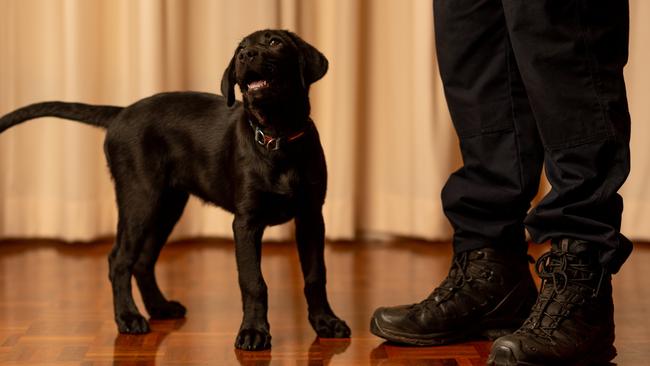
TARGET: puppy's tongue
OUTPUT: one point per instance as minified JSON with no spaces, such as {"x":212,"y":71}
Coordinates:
{"x":257,"y":84}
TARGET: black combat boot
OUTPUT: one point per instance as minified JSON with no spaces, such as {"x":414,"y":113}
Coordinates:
{"x":487,"y":293}
{"x":572,"y":322}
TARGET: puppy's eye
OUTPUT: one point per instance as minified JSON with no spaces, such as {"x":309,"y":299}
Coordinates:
{"x":274,"y":42}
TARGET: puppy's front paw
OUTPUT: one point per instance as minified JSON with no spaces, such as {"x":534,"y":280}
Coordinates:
{"x":251,"y":339}
{"x":167,"y":310}
{"x":132,"y":323}
{"x":329,"y":326}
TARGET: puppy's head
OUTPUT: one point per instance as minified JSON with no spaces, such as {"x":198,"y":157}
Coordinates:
{"x":272,"y":65}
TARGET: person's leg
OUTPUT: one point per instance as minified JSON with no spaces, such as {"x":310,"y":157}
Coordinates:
{"x":487,"y":199}
{"x":489,"y":282}
{"x":571,"y":56}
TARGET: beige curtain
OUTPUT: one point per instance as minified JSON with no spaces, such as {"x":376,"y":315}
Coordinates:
{"x":380,"y":110}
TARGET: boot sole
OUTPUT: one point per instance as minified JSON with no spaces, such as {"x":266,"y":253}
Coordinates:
{"x":438,"y":339}
{"x":503,"y":356}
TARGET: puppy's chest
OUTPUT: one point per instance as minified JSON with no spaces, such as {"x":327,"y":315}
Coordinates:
{"x":281,"y":197}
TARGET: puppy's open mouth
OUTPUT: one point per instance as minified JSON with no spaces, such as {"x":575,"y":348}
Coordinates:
{"x":257,"y":85}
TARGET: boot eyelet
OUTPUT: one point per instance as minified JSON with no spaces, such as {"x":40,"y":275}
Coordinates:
{"x":491,"y":276}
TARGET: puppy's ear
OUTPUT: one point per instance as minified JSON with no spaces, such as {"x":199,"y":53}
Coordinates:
{"x":228,"y":82}
{"x":313,"y":64}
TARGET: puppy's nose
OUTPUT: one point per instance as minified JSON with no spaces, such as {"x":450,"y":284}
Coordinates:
{"x":248,"y":54}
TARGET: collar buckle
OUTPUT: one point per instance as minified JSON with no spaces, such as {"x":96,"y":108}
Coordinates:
{"x":270,"y":143}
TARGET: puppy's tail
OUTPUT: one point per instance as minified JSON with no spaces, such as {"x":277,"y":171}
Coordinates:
{"x":95,"y":115}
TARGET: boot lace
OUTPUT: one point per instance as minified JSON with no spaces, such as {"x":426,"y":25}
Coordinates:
{"x":460,"y":274}
{"x":560,"y":272}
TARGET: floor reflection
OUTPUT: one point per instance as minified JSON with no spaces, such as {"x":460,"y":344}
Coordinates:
{"x":322,"y":351}
{"x":144,"y":348}
{"x":253,"y":358}
{"x":468,"y":353}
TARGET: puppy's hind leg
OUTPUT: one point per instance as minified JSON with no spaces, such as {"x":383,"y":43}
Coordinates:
{"x":137,"y":208}
{"x":170,"y":209}
{"x":310,"y":237}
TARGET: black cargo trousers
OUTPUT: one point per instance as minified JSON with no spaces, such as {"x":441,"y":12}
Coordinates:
{"x":532,"y":83}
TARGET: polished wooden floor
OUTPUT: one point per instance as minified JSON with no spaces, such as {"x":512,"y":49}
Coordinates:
{"x":55,"y":306}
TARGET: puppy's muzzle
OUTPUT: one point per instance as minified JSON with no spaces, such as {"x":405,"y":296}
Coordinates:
{"x":248,"y":55}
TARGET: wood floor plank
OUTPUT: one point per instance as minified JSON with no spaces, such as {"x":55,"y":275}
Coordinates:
{"x":56,"y":306}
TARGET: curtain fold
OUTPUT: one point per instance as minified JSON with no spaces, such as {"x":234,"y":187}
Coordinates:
{"x":380,"y":109}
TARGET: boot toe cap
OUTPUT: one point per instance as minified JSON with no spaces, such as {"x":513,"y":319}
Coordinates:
{"x":504,"y":352}
{"x":514,"y":350}
{"x":394,"y":323}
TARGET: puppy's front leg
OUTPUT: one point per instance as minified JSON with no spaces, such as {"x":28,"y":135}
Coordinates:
{"x":310,"y":235}
{"x":254,"y":331}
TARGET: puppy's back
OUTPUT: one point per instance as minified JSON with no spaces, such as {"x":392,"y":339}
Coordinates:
{"x":181,"y":135}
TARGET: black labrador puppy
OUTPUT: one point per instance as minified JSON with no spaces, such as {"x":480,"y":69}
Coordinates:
{"x":261,"y":160}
